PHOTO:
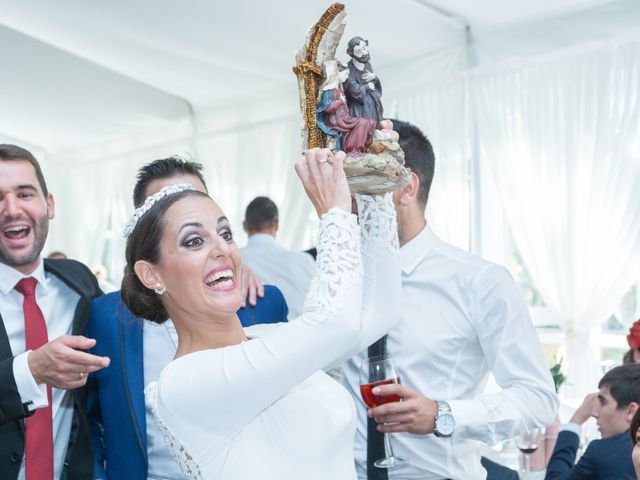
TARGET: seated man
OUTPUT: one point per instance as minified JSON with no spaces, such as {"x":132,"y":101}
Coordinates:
{"x":613,"y":407}
{"x":127,"y":443}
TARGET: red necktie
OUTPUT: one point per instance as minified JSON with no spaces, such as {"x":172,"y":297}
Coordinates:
{"x":39,"y":427}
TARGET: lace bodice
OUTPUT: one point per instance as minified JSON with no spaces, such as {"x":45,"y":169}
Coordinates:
{"x":214,"y":405}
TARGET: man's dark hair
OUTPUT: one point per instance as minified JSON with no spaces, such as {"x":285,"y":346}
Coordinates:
{"x":418,"y":156}
{"x":353,"y":43}
{"x":13,"y":152}
{"x":163,"y":168}
{"x":623,"y":383}
{"x":261,"y":213}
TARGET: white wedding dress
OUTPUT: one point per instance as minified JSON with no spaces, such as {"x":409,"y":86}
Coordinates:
{"x":264,"y":409}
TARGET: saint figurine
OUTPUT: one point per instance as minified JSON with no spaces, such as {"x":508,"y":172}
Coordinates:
{"x":353,"y":134}
{"x":362,"y":89}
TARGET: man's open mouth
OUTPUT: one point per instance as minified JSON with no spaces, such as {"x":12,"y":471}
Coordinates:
{"x":16,"y":232}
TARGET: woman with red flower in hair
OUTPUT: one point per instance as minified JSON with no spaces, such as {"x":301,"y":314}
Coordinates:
{"x":633,"y":355}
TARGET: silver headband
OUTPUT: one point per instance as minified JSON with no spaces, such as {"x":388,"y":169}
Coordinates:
{"x":150,"y":201}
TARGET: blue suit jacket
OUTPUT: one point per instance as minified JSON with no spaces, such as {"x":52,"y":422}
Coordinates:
{"x":116,"y":394}
{"x":606,"y":459}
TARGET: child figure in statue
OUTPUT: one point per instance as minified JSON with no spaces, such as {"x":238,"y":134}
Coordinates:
{"x":353,"y":134}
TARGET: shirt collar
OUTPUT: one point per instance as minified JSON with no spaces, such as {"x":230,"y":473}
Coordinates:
{"x":412,"y":253}
{"x":9,"y":277}
{"x":261,"y":238}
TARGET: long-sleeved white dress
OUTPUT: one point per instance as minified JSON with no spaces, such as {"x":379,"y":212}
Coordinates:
{"x":264,"y":409}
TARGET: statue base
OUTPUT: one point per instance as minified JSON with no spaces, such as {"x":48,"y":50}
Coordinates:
{"x":380,"y":170}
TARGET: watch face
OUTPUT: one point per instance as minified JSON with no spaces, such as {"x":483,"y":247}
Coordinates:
{"x":445,"y":424}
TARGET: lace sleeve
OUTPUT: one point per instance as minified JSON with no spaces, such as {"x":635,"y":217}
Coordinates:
{"x":378,"y":222}
{"x":338,"y":264}
{"x":382,"y":291}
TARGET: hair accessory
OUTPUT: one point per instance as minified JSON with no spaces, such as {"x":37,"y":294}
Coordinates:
{"x":160,"y":290}
{"x":150,"y":201}
{"x":634,"y":335}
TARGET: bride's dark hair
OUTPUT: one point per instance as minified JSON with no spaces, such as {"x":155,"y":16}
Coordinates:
{"x":144,"y":244}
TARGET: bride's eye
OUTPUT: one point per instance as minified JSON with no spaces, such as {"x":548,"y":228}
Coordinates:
{"x":193,"y":241}
{"x":226,"y":234}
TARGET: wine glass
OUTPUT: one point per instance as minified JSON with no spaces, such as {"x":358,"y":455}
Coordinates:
{"x":528,"y":443}
{"x":376,"y":371}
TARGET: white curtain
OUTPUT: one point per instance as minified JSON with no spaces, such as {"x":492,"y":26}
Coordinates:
{"x":93,"y":191}
{"x":563,"y":141}
{"x":441,"y":113}
{"x":243,"y":163}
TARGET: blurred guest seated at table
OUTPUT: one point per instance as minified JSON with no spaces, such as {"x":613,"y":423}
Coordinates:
{"x":633,"y":338}
{"x":634,"y":433}
{"x":613,"y":407}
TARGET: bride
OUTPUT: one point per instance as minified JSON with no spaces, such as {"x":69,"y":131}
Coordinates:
{"x":254,"y":403}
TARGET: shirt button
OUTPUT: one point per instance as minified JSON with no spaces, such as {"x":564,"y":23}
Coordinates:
{"x":15,"y":457}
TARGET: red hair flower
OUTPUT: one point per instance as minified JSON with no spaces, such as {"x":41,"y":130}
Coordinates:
{"x":634,"y":335}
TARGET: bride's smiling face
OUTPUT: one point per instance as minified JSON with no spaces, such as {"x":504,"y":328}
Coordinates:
{"x":199,"y":260}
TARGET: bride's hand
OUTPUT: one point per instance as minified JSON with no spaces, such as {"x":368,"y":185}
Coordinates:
{"x":324,"y":179}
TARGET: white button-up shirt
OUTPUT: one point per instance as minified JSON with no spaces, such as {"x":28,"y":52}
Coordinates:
{"x":463,"y":317}
{"x":290,"y":271}
{"x":58,"y":304}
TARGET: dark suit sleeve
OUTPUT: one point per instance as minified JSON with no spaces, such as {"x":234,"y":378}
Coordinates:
{"x":561,"y":464}
{"x":94,"y":411}
{"x":11,"y":406}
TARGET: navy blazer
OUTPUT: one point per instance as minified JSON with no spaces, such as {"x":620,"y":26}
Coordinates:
{"x":606,"y":459}
{"x":116,"y":393}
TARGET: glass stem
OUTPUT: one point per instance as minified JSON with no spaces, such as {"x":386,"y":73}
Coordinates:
{"x":387,"y":446}
{"x":527,"y":463}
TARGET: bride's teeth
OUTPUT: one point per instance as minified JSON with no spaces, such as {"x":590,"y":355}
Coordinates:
{"x":218,"y":275}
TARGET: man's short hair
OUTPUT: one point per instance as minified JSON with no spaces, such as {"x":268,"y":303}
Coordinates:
{"x":623,"y":383}
{"x":418,"y":156}
{"x":163,"y":168}
{"x":14,"y":152}
{"x":261,"y":213}
{"x":353,"y":43}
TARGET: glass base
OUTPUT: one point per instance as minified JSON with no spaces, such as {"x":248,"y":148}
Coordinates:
{"x":389,"y":462}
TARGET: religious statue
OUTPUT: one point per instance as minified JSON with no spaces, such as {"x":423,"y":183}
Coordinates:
{"x":354,"y":134}
{"x":375,"y":161}
{"x":362,"y":89}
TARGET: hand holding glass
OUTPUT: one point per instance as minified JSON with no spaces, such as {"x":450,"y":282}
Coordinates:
{"x":376,"y":371}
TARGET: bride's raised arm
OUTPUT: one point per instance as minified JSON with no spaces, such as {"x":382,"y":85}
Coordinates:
{"x":260,"y":371}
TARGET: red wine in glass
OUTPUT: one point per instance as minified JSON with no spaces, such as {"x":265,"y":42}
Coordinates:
{"x":376,"y":371}
{"x":372,"y":400}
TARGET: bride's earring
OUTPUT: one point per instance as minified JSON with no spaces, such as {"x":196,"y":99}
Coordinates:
{"x":160,"y":290}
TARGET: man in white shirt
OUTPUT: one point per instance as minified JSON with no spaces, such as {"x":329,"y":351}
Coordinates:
{"x":290,"y":271}
{"x":44,"y":308}
{"x":463,"y":318}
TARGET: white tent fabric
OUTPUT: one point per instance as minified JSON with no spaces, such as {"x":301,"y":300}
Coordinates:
{"x":567,"y":161}
{"x":98,"y":89}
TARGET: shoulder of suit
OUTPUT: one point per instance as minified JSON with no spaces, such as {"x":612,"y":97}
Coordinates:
{"x":75,"y":274}
{"x":109,"y":300}
{"x":273,"y":293}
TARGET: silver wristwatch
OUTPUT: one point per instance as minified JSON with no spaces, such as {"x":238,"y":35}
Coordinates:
{"x":444,"y":421}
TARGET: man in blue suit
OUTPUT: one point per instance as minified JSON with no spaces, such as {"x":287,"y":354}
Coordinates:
{"x":127,"y":442}
{"x":613,"y":407}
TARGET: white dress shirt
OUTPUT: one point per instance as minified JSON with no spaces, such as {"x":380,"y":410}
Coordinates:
{"x":290,"y":271}
{"x":463,"y":317}
{"x":58,"y":304}
{"x":160,"y":342}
